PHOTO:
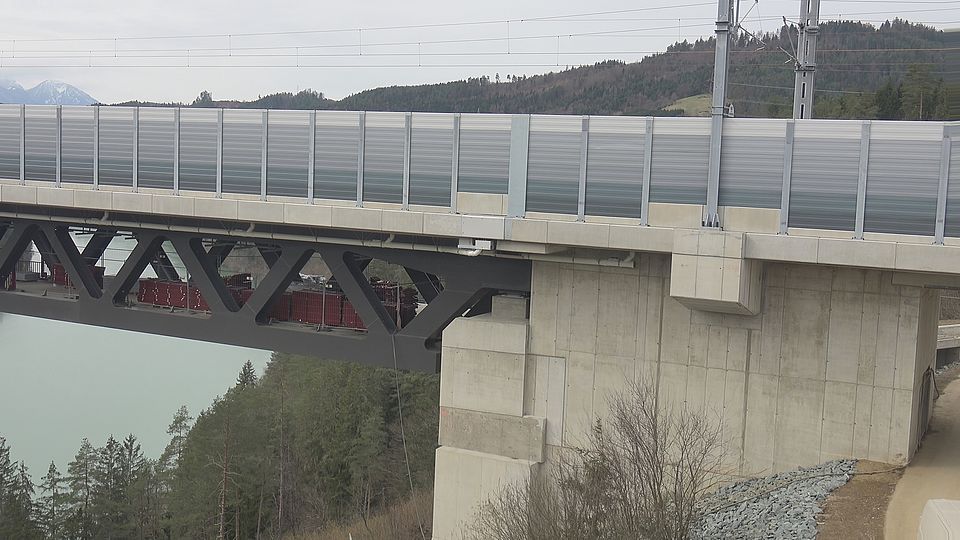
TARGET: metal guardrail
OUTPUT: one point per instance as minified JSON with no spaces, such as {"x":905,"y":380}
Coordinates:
{"x":857,"y":176}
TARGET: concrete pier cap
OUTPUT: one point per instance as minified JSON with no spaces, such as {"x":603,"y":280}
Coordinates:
{"x":709,"y":272}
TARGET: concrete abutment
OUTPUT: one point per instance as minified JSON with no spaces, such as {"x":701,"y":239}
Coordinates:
{"x":801,"y":363}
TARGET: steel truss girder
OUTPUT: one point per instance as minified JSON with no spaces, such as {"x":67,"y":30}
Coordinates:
{"x":48,"y":257}
{"x":98,"y":244}
{"x":467,"y":282}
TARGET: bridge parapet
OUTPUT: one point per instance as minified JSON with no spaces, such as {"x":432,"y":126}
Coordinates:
{"x":777,"y":176}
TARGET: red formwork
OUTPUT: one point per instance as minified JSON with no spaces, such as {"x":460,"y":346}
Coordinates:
{"x":351,"y":319}
{"x":60,"y":276}
{"x":177,"y":294}
{"x":282,"y":307}
{"x":310,"y":306}
{"x":307,"y":306}
{"x":147,"y":292}
{"x":195,"y":299}
{"x":163,"y":293}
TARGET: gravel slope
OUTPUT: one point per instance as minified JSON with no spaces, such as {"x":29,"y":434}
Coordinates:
{"x":783,"y":505}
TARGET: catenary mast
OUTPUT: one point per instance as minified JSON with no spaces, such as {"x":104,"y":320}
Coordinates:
{"x":806,"y":59}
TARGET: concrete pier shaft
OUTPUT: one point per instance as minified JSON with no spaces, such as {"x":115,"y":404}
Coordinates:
{"x":832,"y":365}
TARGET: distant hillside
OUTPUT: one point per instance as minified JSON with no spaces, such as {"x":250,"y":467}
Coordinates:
{"x":685,"y":70}
{"x":45,"y":93}
{"x":891,"y":71}
{"x":692,"y":106}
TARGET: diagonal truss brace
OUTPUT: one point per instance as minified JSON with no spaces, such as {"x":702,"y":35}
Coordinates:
{"x":466,"y":282}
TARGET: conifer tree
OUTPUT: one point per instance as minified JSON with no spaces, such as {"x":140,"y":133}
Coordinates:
{"x":17,"y":515}
{"x":247,"y":376}
{"x":80,"y":479}
{"x":178,"y":429}
{"x":53,"y":502}
{"x":108,"y":492}
{"x":7,"y":473}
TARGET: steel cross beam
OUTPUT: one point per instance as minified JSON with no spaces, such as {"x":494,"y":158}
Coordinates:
{"x":47,"y":256}
{"x":162,"y":265}
{"x":98,"y":244}
{"x":221,"y":250}
{"x":428,"y":285}
{"x":467,"y":283}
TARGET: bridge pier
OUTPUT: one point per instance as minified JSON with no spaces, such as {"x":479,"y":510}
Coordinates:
{"x":804,"y":364}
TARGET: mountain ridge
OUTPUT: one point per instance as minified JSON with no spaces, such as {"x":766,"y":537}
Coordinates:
{"x":49,"y":92}
{"x":857,"y":61}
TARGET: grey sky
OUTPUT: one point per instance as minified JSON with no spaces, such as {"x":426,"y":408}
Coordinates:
{"x":343,"y":71}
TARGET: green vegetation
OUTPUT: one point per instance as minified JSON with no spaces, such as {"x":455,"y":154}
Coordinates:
{"x":311,"y":444}
{"x":692,"y":106}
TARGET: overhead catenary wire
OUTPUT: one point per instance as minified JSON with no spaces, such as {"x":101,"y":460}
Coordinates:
{"x":294,"y":55}
{"x":229,"y":48}
{"x":550,"y":18}
{"x":774,"y":87}
{"x":360,"y":29}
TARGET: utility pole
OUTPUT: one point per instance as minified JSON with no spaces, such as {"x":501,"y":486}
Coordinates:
{"x":726,"y":24}
{"x":806,"y":59}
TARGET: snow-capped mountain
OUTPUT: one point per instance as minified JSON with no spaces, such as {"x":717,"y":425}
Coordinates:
{"x":45,"y":93}
{"x":11,"y":92}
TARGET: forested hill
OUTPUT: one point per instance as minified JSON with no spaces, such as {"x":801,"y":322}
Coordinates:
{"x":304,"y":447}
{"x":854,"y":58}
{"x":685,"y":69}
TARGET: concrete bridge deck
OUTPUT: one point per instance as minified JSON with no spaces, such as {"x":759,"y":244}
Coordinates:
{"x":880,"y":195}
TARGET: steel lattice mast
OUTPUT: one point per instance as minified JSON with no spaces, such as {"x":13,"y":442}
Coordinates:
{"x":726,"y":25}
{"x":806,"y":59}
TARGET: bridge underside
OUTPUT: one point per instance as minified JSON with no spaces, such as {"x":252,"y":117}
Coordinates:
{"x":448,"y":283}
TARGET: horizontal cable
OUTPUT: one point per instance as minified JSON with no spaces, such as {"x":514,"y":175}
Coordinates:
{"x":300,"y":54}
{"x":790,"y":88}
{"x":362,"y":29}
{"x":425,"y":42}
